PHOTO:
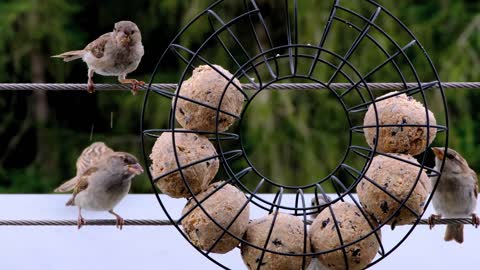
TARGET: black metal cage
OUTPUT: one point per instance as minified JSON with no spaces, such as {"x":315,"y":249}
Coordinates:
{"x":268,"y":58}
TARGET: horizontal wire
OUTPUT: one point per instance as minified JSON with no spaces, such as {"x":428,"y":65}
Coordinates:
{"x":155,"y":222}
{"x":171,"y":86}
{"x":95,"y":222}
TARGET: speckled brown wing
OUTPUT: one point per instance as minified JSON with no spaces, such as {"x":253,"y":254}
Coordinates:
{"x":82,"y":184}
{"x":97,"y":47}
{"x":91,"y":156}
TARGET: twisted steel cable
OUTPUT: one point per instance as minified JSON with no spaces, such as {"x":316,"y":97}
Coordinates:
{"x":155,"y":222}
{"x":171,"y":86}
{"x":96,"y":222}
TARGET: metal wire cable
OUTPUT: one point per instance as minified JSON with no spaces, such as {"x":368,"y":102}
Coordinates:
{"x":154,"y":222}
{"x":171,"y":86}
{"x":96,"y":222}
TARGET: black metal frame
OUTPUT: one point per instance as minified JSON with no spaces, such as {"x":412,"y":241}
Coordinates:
{"x":270,"y":57}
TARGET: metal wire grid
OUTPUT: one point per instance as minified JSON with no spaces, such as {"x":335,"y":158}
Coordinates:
{"x":270,"y":58}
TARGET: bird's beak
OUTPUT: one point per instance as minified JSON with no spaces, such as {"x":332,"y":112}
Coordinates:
{"x":125,"y":40}
{"x":439,"y":152}
{"x":135,"y":169}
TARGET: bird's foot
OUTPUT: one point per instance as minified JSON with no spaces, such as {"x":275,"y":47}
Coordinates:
{"x":90,"y":87}
{"x":475,"y":220}
{"x":120,"y":220}
{"x":135,"y":86}
{"x":134,"y":83}
{"x":80,"y":222}
{"x":432,"y":219}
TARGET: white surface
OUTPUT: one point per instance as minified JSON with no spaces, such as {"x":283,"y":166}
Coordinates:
{"x":140,"y":248}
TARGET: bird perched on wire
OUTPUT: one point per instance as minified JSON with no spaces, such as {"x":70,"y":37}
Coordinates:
{"x":320,"y":201}
{"x":456,"y":194}
{"x":112,"y":54}
{"x":103,"y":179}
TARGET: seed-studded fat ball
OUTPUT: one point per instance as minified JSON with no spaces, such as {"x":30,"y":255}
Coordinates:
{"x":207,"y":86}
{"x":352,"y":225}
{"x":190,"y":148}
{"x":397,"y":178}
{"x":287,"y":237}
{"x":223,"y":206}
{"x":398,"y":110}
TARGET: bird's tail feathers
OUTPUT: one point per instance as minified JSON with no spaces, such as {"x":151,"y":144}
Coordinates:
{"x":71,"y":202}
{"x":454,"y":232}
{"x":70,"y":56}
{"x":67,"y":186}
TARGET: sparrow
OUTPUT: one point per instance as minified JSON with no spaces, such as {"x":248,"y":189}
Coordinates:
{"x":112,"y":54}
{"x":103,"y":179}
{"x":322,"y":201}
{"x":456,"y":194}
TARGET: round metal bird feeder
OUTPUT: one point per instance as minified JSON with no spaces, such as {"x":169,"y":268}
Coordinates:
{"x":271,"y":56}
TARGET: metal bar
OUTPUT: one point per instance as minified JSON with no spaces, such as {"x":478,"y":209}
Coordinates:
{"x":356,"y":43}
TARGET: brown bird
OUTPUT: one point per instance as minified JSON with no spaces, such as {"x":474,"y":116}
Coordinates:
{"x":456,"y":194}
{"x":103,"y":179}
{"x":112,"y":54}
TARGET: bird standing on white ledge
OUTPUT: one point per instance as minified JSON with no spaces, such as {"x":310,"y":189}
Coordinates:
{"x":113,"y":54}
{"x":456,"y":194}
{"x":103,"y":179}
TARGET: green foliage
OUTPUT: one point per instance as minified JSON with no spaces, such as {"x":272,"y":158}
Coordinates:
{"x":27,"y":25}
{"x":292,"y":137}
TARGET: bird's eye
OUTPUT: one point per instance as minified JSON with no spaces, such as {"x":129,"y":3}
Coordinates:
{"x":450,"y":156}
{"x":125,"y":160}
{"x":132,"y":32}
